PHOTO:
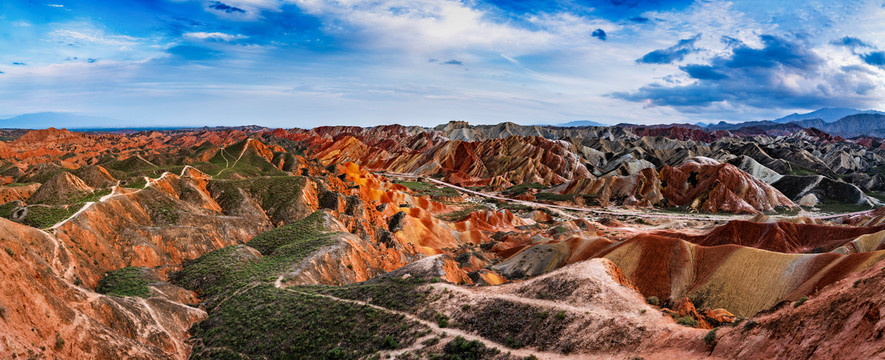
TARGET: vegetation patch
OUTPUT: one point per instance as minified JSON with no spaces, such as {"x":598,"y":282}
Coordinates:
{"x":138,"y":182}
{"x":512,"y":324}
{"x":42,"y":217}
{"x":392,"y":293}
{"x":459,"y":215}
{"x":249,"y":164}
{"x":130,"y":165}
{"x":687,"y":320}
{"x":163,"y":212}
{"x":235,"y":267}
{"x":297,"y":233}
{"x":710,"y":338}
{"x":216,"y":271}
{"x":522,"y":188}
{"x":128,"y":281}
{"x":94,"y":196}
{"x":19,"y":184}
{"x":461,"y":349}
{"x":267,"y":322}
{"x":279,"y":196}
{"x":7,"y":209}
{"x":554,"y":197}
{"x":250,"y":317}
{"x":427,"y":189}
{"x":514,"y":207}
{"x":653,"y":300}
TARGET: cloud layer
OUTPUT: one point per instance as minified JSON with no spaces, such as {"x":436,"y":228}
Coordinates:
{"x":312,"y":62}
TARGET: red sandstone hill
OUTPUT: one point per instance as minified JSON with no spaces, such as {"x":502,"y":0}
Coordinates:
{"x":698,"y":184}
{"x":715,"y":187}
{"x":779,"y":236}
{"x":502,"y":162}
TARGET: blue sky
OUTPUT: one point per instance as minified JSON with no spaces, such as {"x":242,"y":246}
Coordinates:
{"x":306,"y":63}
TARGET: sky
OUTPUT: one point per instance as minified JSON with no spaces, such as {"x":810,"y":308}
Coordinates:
{"x":308,"y":63}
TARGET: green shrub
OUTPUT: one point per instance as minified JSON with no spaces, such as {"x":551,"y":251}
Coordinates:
{"x":392,"y":293}
{"x":442,"y":320}
{"x":460,"y":348}
{"x":389,"y":343}
{"x":801,"y":301}
{"x":687,"y":320}
{"x":710,"y":338}
{"x":59,"y":342}
{"x":653,"y":300}
{"x":560,"y":315}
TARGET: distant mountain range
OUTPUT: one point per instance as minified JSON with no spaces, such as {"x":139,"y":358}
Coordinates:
{"x":581,"y":123}
{"x":827,"y":115}
{"x":869,"y":124}
{"x":836,"y":121}
{"x":843,"y":122}
{"x":58,"y":120}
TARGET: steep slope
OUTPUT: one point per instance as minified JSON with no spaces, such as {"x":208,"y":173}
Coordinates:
{"x":61,"y":188}
{"x":95,"y":176}
{"x":718,"y":187}
{"x":784,"y":237}
{"x":43,"y":314}
{"x":841,"y":322}
{"x":823,"y":189}
{"x":11,"y":193}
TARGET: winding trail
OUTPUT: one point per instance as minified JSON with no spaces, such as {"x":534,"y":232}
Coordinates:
{"x":49,"y":232}
{"x":245,"y":147}
{"x":653,"y":215}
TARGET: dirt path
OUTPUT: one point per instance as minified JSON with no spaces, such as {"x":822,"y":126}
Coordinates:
{"x":604,"y":212}
{"x":546,"y":304}
{"x":245,"y":147}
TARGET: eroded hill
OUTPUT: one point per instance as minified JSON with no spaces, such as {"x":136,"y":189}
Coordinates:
{"x":476,"y":242}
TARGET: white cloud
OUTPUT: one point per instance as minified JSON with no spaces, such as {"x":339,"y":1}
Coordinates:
{"x":422,"y":25}
{"x":213,"y":36}
{"x":55,"y":5}
{"x":93,"y":36}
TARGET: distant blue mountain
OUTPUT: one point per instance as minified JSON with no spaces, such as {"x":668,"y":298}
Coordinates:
{"x":828,"y":115}
{"x":581,"y":123}
{"x":58,"y":120}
